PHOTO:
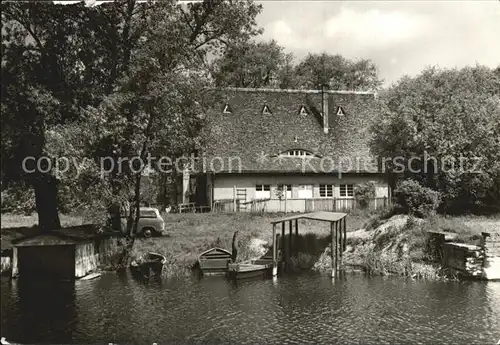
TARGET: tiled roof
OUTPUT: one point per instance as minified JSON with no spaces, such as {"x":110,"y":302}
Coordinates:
{"x":248,"y":140}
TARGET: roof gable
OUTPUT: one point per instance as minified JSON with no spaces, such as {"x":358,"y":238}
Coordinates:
{"x":45,"y":240}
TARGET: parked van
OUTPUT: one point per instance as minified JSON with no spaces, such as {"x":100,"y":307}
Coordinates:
{"x":151,"y":222}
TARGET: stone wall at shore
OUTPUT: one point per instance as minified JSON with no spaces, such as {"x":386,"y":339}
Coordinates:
{"x":478,"y":261}
{"x":466,"y":258}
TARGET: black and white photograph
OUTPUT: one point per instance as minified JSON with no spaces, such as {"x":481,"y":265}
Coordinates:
{"x":250,"y":172}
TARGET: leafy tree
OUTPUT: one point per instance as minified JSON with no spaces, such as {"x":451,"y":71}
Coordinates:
{"x":253,"y":64}
{"x":448,"y":121}
{"x":266,"y":64}
{"x":364,"y":192}
{"x":40,"y":87}
{"x":337,"y":72}
{"x":57,"y":60}
{"x":415,"y":199}
{"x":60,"y":60}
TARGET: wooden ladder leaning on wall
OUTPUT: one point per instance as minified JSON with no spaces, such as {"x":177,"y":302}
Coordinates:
{"x":241,"y":195}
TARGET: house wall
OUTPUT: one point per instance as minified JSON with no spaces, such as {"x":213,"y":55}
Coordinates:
{"x":223,"y":187}
{"x":224,"y":184}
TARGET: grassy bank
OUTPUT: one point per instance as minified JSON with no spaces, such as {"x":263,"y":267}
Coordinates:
{"x":191,"y":234}
{"x":11,"y":220}
{"x":401,"y":250}
{"x":188,"y":234}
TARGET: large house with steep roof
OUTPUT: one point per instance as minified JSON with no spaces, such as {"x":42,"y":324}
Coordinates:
{"x":311,"y":143}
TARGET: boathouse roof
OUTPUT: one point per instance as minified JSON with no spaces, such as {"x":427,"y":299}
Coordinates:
{"x":321,"y":216}
{"x":65,"y":236}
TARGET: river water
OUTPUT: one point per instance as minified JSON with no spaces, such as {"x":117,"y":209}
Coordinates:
{"x":303,"y":309}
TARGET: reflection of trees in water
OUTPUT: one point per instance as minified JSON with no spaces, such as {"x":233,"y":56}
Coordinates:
{"x":47,"y":311}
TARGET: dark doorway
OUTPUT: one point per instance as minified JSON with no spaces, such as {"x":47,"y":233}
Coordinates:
{"x":198,"y":188}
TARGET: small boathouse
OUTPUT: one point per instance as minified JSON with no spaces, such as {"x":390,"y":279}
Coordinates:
{"x":67,"y":253}
{"x":338,"y":230}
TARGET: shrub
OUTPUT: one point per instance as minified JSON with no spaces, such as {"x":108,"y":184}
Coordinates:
{"x":364,"y":192}
{"x":415,"y":199}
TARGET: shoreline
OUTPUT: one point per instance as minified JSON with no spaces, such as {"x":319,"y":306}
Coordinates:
{"x":398,"y":248}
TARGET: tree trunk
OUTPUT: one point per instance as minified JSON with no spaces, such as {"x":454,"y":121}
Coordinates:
{"x":46,"y":202}
{"x":132,"y":225}
{"x":115,"y":217}
{"x":115,"y":210}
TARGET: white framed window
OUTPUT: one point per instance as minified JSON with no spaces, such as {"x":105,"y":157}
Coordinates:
{"x":346,"y":190}
{"x":288,"y":190}
{"x":297,"y":153}
{"x":305,"y":191}
{"x":326,"y":190}
{"x":262,"y":191}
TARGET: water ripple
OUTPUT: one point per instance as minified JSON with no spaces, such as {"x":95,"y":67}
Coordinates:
{"x":307,"y":309}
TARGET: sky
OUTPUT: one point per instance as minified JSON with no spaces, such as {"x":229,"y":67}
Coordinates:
{"x":401,"y":37}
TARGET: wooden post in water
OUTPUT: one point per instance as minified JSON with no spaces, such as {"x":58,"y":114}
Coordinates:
{"x":275,"y":266}
{"x":290,"y":237}
{"x":336,"y":247}
{"x":332,"y":248}
{"x":234,"y":198}
{"x":341,"y":243}
{"x":283,"y":240}
{"x":345,"y":234}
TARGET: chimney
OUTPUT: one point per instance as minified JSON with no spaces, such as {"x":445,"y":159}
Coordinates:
{"x":324,"y":96}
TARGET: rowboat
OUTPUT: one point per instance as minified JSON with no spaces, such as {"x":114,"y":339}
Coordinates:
{"x":149,"y":263}
{"x":250,"y":269}
{"x":214,"y":261}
